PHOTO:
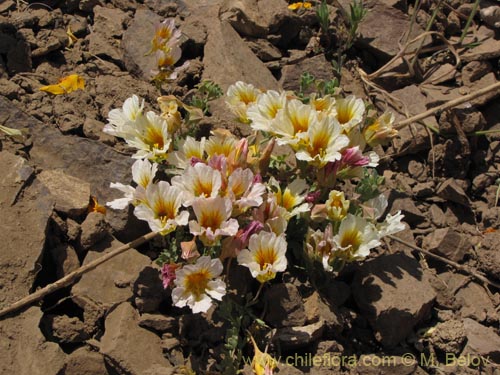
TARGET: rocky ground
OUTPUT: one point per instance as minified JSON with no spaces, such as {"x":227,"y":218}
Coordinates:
{"x":118,"y":319}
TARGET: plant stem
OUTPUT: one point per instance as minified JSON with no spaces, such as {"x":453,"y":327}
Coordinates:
{"x":469,"y":21}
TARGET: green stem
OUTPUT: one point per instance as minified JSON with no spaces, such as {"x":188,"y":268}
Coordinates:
{"x":469,"y":21}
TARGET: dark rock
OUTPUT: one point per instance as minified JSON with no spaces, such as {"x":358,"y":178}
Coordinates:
{"x":159,"y":323}
{"x":74,"y":229}
{"x":10,"y":89}
{"x":94,"y":230}
{"x":15,"y":49}
{"x":136,"y":43}
{"x":65,"y":329}
{"x":85,"y":362}
{"x":449,"y":337}
{"x":481,"y":341}
{"x":380,"y":288}
{"x":451,"y":191}
{"x":49,"y":41}
{"x":489,"y":256}
{"x":122,"y":338}
{"x":195,"y":32}
{"x":448,"y":243}
{"x":65,"y":259}
{"x":316,"y":309}
{"x":401,"y":202}
{"x":148,"y":290}
{"x":469,"y":120}
{"x":418,"y":171}
{"x":264,"y":50}
{"x":424,"y":189}
{"x":285,"y":308}
{"x":24,"y":349}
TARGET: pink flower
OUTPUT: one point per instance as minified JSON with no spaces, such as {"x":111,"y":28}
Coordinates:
{"x":168,"y":273}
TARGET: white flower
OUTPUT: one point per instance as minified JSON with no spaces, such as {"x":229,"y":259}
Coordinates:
{"x":336,"y":205}
{"x":199,"y":180}
{"x":264,"y":111}
{"x":143,"y":173}
{"x":380,"y":132}
{"x":195,"y":285}
{"x":151,"y":137}
{"x":189,"y":149}
{"x":355,"y":238}
{"x":292,"y":197}
{"x":161,"y":208}
{"x":272,"y":216}
{"x":391,"y":224}
{"x":293,"y":122}
{"x":239,"y":97}
{"x":350,"y":112}
{"x":243,"y":191}
{"x":213,"y":219}
{"x":324,"y":143}
{"x":220,"y":144}
{"x":265,"y":256}
{"x":120,"y":121}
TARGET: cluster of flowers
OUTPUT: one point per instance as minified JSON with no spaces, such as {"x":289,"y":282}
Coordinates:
{"x":165,"y":46}
{"x":222,"y":192}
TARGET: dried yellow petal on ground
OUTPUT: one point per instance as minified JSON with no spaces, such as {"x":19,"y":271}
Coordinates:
{"x":66,"y":85}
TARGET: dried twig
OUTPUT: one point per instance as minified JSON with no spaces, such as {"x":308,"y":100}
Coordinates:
{"x":73,"y":276}
{"x":465,"y":269}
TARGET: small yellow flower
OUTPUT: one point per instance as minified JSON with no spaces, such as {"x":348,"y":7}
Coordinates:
{"x":300,"y":5}
{"x":66,"y":85}
{"x":262,"y":363}
{"x":94,"y":206}
{"x":336,"y":205}
{"x":380,"y":132}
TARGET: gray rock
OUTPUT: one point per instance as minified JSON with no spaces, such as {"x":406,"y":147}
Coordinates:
{"x":481,"y":341}
{"x":285,"y":308}
{"x":380,"y":288}
{"x":95,"y":163}
{"x":264,"y":50}
{"x":28,"y":208}
{"x":159,"y":323}
{"x":318,"y":66}
{"x":136,"y":43}
{"x":24,"y":349}
{"x":122,"y":338}
{"x":448,"y":243}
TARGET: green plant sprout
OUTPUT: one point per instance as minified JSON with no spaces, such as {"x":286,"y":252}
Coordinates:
{"x":206,"y":91}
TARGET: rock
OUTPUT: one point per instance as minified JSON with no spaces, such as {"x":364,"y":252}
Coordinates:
{"x":259,"y":18}
{"x":71,"y":194}
{"x":10,"y":89}
{"x":285,"y":308}
{"x":481,"y":341}
{"x":423,"y":189}
{"x":482,"y":181}
{"x":100,"y":285}
{"x":195,"y":32}
{"x":472,"y":300}
{"x":85,"y":362}
{"x":490,"y":14}
{"x":65,"y":329}
{"x":74,"y":229}
{"x":380,"y":289}
{"x":413,"y":138}
{"x":94,"y":229}
{"x":49,"y":41}
{"x":381,"y":27}
{"x":16,"y":51}
{"x":297,"y":337}
{"x":23,"y":348}
{"x":264,"y":50}
{"x":136,"y":43}
{"x":95,"y":163}
{"x":451,"y":191}
{"x":475,"y":70}
{"x":122,"y":338}
{"x":372,"y":364}
{"x":26,"y":207}
{"x":318,"y":65}
{"x":317,"y":310}
{"x":148,"y":290}
{"x":449,"y":337}
{"x":7,"y":5}
{"x":451,"y":158}
{"x":65,"y":259}
{"x":489,"y":257}
{"x":469,"y":119}
{"x":159,"y":323}
{"x":401,"y":202}
{"x":418,"y":171}
{"x":448,"y":243}
{"x":227,"y":59}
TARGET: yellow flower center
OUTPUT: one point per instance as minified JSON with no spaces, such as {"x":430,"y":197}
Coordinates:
{"x":345,"y":114}
{"x":211,"y":220}
{"x":351,"y":238}
{"x":196,"y":283}
{"x":165,"y":210}
{"x":154,"y":138}
{"x":246,"y":97}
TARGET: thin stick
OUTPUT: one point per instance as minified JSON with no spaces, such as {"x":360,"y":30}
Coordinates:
{"x":71,"y":277}
{"x":450,"y":104}
{"x":449,"y":262}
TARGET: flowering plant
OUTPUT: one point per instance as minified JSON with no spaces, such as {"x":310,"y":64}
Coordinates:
{"x":237,"y":198}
